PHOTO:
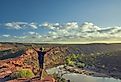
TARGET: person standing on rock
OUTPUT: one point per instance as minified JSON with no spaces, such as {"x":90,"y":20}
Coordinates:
{"x":41,"y":55}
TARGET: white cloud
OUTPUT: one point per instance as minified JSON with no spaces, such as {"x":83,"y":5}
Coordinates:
{"x":35,"y":34}
{"x":50,"y":26}
{"x":87,"y":30}
{"x":33,"y":25}
{"x":65,"y":32}
{"x":13,"y":25}
{"x":6,"y":35}
{"x":22,"y":37}
{"x":89,"y":27}
{"x":32,"y":33}
{"x":20,"y":25}
{"x":71,"y":25}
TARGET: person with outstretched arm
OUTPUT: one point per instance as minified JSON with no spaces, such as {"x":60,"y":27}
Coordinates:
{"x":41,"y":55}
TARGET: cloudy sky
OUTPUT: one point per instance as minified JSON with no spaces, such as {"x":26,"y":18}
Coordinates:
{"x":60,"y":21}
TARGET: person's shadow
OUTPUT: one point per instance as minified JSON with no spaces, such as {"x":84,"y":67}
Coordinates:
{"x":4,"y":79}
{"x":7,"y":78}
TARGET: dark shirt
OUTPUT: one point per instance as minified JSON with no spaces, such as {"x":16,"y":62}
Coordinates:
{"x":41,"y":57}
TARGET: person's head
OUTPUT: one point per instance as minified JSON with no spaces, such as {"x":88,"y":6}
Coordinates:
{"x":41,"y":49}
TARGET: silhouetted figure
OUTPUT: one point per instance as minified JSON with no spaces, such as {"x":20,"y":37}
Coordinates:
{"x":41,"y":55}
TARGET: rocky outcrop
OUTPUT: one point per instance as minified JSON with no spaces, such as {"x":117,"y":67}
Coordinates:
{"x":6,"y":46}
{"x":29,"y":60}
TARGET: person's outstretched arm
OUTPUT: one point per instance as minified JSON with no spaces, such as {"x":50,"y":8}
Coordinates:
{"x":34,"y":48}
{"x":49,"y":49}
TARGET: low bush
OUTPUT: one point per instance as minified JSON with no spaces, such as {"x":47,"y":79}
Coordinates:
{"x":22,"y":73}
{"x":80,"y":65}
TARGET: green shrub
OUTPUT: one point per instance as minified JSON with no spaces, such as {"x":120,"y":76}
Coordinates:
{"x":69,"y":62}
{"x":22,"y":73}
{"x":80,"y":65}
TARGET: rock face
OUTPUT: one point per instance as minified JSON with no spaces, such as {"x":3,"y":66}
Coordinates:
{"x":29,"y":59}
{"x":21,"y":56}
{"x":55,"y":57}
{"x":6,"y":46}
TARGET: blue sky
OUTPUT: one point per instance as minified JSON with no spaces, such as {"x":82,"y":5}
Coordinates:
{"x":33,"y":18}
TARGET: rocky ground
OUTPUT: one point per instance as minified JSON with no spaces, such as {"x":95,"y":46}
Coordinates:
{"x":22,"y":56}
{"x":27,"y":60}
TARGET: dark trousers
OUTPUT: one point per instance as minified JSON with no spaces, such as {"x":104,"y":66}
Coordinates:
{"x":41,"y":67}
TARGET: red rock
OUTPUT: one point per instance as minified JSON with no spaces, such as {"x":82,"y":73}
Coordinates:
{"x":48,"y":79}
